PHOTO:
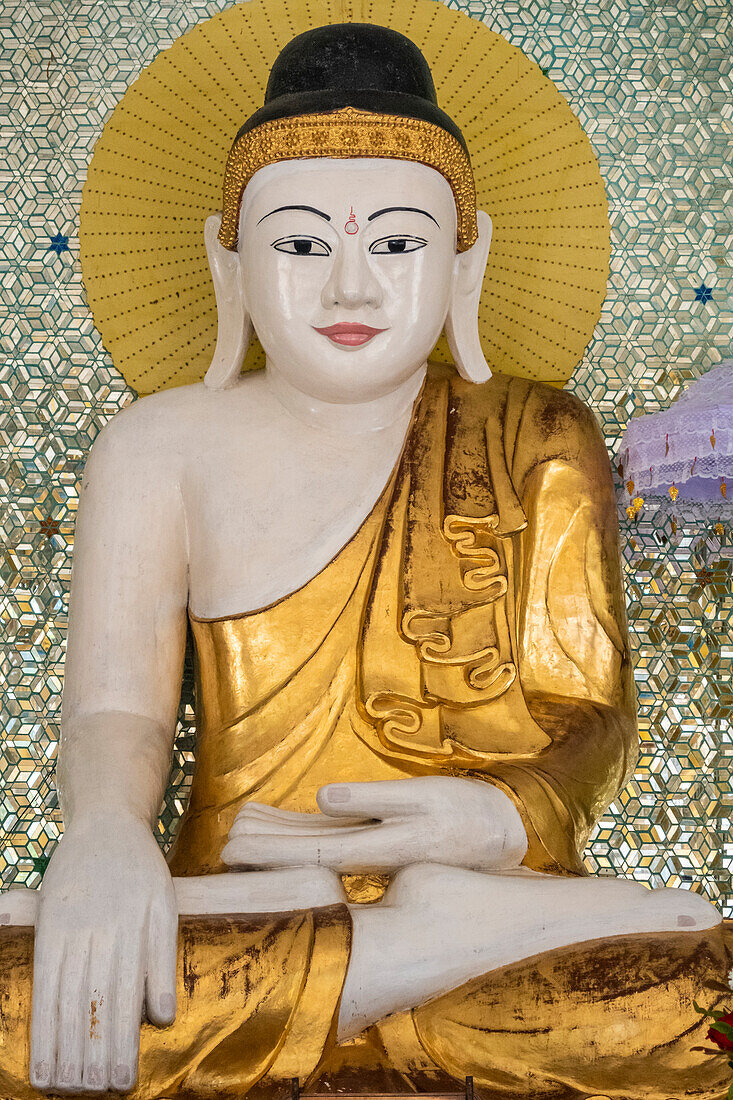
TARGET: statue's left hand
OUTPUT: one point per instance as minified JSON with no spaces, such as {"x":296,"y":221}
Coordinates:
{"x":383,"y":826}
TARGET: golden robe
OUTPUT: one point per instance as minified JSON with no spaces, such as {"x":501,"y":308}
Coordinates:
{"x":474,"y":625}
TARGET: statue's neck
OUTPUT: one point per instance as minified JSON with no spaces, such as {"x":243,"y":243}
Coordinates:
{"x":349,"y":419}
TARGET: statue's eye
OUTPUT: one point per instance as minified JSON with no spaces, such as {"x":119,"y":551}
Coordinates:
{"x":396,"y":246}
{"x":302,"y":246}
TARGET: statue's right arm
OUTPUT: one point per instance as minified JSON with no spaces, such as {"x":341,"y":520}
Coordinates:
{"x":107,"y":923}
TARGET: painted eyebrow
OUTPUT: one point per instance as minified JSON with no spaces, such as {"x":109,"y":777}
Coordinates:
{"x":312,"y":210}
{"x":409,"y":209}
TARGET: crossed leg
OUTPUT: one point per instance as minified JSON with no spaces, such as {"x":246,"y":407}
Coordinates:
{"x":440,"y":926}
{"x":437,"y":926}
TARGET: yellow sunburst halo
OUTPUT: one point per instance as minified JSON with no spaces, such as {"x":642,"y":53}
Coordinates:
{"x":158,"y":169}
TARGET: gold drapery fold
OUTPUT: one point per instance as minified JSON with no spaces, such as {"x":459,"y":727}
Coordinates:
{"x":610,"y":1017}
{"x":258,"y":998}
{"x":258,"y":1003}
{"x":449,"y":695}
{"x":272,"y":688}
{"x":474,"y":624}
{"x":512,"y":613}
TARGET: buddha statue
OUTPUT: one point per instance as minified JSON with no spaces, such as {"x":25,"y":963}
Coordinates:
{"x":414,"y":690}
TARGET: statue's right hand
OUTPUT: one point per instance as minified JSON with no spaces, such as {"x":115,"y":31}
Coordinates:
{"x":105,"y":950}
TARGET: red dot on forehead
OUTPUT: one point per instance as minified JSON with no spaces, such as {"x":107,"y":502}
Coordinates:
{"x":352,"y":225}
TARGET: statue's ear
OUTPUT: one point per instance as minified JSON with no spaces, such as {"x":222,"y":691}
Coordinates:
{"x":461,"y":324}
{"x":234,"y":328}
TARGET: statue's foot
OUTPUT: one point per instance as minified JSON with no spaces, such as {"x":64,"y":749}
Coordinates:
{"x":569,"y":910}
{"x":440,"y":926}
{"x":238,"y":893}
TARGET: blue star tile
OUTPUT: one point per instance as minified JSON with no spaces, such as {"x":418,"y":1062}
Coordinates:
{"x":59,"y":244}
{"x":703,"y":293}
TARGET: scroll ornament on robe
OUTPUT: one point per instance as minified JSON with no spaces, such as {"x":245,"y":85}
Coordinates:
{"x":473,"y":625}
{"x":494,"y":636}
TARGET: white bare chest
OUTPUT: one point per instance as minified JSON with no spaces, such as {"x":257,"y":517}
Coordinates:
{"x":269,"y":501}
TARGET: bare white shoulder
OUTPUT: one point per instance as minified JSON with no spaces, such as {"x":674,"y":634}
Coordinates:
{"x":164,"y":431}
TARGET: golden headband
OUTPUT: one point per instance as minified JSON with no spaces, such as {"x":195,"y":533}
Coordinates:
{"x":349,"y":133}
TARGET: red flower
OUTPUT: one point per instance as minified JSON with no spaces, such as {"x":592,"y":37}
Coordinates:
{"x":718,"y":1037}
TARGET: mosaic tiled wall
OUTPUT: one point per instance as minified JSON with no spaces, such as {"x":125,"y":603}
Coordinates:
{"x":651,"y":83}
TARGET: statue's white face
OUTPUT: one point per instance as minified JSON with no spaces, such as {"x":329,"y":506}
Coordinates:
{"x":347,"y":269}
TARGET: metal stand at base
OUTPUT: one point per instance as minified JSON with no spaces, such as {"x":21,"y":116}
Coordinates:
{"x":296,"y":1094}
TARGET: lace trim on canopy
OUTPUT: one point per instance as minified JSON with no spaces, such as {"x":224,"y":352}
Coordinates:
{"x":692,"y":439}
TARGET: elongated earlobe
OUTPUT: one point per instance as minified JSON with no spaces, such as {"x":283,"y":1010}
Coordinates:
{"x":461,"y":324}
{"x":234,"y":328}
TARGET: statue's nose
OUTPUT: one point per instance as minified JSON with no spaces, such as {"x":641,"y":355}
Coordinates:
{"x":352,"y":282}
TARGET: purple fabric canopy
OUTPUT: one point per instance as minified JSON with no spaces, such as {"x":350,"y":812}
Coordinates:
{"x":689,"y":445}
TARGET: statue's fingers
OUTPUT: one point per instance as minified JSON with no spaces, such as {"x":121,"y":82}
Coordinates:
{"x":256,"y":822}
{"x":378,"y":799}
{"x":48,"y":956}
{"x":262,"y":812}
{"x":72,"y":1019}
{"x":341,"y":849}
{"x":162,"y":958}
{"x":269,"y":852}
{"x":381,"y":848}
{"x":318,"y":825}
{"x":129,"y":985}
{"x":98,"y":1012}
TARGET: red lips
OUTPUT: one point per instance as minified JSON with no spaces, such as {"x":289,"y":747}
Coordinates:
{"x":349,"y":335}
